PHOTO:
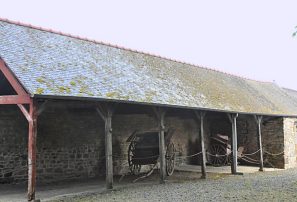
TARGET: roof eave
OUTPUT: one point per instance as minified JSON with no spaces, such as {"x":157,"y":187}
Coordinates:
{"x":93,"y":99}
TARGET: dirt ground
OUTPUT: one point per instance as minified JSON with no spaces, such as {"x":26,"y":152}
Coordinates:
{"x":185,"y":186}
{"x":278,"y":185}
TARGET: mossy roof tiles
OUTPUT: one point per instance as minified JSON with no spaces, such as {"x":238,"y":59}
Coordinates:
{"x":52,"y":64}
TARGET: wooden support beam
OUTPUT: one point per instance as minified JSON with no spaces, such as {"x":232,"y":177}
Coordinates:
{"x":201,"y":115}
{"x":259,"y":120}
{"x":100,"y":111}
{"x":106,"y":113}
{"x":25,"y":112}
{"x":11,"y":79}
{"x":233,"y":120}
{"x":162,"y":148}
{"x":160,"y":114}
{"x":14,"y":99}
{"x":42,"y":107}
{"x":32,"y":151}
{"x":108,"y":150}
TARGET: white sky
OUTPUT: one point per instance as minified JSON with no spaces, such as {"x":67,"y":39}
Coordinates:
{"x":251,"y":38}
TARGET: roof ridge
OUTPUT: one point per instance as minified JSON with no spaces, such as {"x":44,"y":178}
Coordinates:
{"x":124,"y":48}
{"x":290,"y":89}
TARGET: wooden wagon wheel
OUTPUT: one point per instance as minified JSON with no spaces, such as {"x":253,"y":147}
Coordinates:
{"x":217,"y":155}
{"x":170,"y":159}
{"x":134,"y":168}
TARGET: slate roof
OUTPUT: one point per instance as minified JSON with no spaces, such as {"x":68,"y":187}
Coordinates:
{"x":53,"y":64}
{"x":292,"y":93}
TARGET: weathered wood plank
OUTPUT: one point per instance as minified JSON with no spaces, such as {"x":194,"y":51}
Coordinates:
{"x":108,"y":149}
{"x":14,"y":99}
{"x":32,"y":152}
{"x":162,"y":148}
{"x":160,"y":116}
{"x":203,"y":162}
{"x":106,"y":112}
{"x":259,"y":120}
{"x":201,"y":116}
{"x":25,"y":112}
{"x":233,"y":120}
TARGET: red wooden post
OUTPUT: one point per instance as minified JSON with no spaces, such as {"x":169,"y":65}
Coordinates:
{"x":21,"y":98}
{"x":32,"y":151}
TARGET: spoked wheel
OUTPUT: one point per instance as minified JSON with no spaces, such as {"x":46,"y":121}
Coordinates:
{"x":217,"y":155}
{"x":170,"y":159}
{"x":134,"y":168}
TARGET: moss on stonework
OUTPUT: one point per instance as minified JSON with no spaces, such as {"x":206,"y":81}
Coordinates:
{"x":63,"y":89}
{"x":111,"y":94}
{"x":126,"y":97}
{"x":40,"y":80}
{"x":72,"y":83}
{"x":149,"y":96}
{"x":83,"y":90}
{"x":39,"y":91}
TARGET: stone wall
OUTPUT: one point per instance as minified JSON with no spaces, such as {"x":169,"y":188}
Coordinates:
{"x":13,"y":144}
{"x":70,"y":140}
{"x":290,"y":137}
{"x":273,"y":142}
{"x":185,"y":138}
{"x":70,"y":143}
{"x":277,"y":136}
{"x":272,"y":139}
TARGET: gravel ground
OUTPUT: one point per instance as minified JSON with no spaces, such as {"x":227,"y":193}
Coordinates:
{"x":267,"y":186}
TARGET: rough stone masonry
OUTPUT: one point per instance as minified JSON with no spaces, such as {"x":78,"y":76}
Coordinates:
{"x":70,"y":140}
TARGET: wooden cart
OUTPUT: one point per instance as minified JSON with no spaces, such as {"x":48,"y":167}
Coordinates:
{"x":144,"y":150}
{"x":219,"y":152}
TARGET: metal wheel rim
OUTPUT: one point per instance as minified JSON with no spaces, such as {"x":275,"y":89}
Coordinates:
{"x":170,"y":159}
{"x":134,"y":168}
{"x":218,"y":150}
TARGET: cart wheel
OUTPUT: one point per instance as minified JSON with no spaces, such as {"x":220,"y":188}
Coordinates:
{"x":170,"y":159}
{"x":134,"y":168}
{"x":216,"y":156}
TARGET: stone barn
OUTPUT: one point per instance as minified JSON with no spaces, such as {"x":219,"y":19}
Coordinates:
{"x":68,"y":106}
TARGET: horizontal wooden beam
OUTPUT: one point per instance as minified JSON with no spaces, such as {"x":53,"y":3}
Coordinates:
{"x":14,"y":99}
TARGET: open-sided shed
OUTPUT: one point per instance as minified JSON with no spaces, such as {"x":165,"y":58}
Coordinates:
{"x":42,"y":68}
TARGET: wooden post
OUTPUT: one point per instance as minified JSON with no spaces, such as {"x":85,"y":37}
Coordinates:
{"x":20,"y":99}
{"x":162,"y":148}
{"x":108,"y":150}
{"x":160,"y":113}
{"x":259,"y":120}
{"x":201,"y":115}
{"x":233,"y":120}
{"x":32,"y":151}
{"x":106,"y":113}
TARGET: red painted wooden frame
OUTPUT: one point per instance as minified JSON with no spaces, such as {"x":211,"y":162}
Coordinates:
{"x":22,"y":96}
{"x":20,"y":99}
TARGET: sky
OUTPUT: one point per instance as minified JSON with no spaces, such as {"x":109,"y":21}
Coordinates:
{"x":248,"y":38}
